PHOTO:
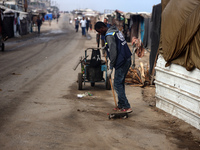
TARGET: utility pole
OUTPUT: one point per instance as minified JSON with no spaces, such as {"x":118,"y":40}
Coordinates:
{"x":25,"y":5}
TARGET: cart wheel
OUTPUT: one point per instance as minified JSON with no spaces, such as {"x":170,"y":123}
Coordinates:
{"x":92,"y":84}
{"x":2,"y":46}
{"x":108,"y":86}
{"x":80,"y":80}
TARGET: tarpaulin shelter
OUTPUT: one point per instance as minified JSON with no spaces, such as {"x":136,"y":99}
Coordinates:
{"x":24,"y":22}
{"x":24,"y":26}
{"x":118,"y":20}
{"x":8,"y":23}
{"x":10,"y":20}
{"x":137,"y":25}
{"x":134,"y":25}
{"x":7,"y":18}
{"x":147,"y":32}
{"x":48,"y":16}
{"x":135,"y":22}
{"x":178,"y":89}
{"x":180,"y":32}
{"x":155,"y":34}
{"x":34,"y":16}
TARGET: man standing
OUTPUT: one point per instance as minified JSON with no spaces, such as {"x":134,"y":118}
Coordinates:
{"x":102,"y":36}
{"x":18,"y":24}
{"x":87,"y":24}
{"x":77,"y":24}
{"x":83,"y":26}
{"x":49,"y":19}
{"x":120,"y":59}
{"x":39,"y":23}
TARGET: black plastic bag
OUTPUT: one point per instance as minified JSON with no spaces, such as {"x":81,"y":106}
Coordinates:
{"x":95,"y":58}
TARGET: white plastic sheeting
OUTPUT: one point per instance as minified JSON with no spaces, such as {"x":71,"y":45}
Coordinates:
{"x":178,"y":91}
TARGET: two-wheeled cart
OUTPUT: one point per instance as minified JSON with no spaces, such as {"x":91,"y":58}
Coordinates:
{"x":2,"y":45}
{"x":93,"y":70}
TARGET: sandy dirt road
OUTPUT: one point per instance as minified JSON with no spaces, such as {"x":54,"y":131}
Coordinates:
{"x":39,"y":108}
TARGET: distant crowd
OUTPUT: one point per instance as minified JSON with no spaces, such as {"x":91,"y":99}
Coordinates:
{"x":85,"y":25}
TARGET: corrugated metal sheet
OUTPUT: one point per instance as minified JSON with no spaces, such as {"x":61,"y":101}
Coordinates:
{"x":178,"y":91}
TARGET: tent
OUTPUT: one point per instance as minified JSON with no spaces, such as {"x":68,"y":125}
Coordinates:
{"x":180,"y":32}
{"x":50,"y":16}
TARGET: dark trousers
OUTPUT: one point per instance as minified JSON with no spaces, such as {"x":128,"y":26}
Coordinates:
{"x":83,"y":30}
{"x":18,"y":28}
{"x":76,"y":28}
{"x":119,"y":84}
{"x":98,"y":39}
{"x":38,"y":29}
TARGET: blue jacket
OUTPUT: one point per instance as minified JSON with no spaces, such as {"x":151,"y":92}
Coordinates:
{"x":117,"y":48}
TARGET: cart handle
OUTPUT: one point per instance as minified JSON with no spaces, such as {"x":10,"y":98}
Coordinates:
{"x":92,"y":48}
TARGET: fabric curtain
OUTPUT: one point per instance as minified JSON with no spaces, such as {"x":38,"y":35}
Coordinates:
{"x":180,"y":32}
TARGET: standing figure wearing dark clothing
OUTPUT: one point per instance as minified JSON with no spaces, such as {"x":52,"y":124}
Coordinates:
{"x":18,"y":24}
{"x":77,"y":24}
{"x":102,"y":36}
{"x":39,"y":23}
{"x":58,"y":15}
{"x":120,"y":59}
{"x":87,"y":24}
{"x":90,"y":26}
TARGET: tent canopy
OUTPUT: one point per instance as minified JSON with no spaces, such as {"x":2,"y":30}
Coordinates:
{"x":180,"y":33}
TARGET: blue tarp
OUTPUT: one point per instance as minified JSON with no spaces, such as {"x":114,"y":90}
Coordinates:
{"x":50,"y":16}
{"x":142,"y":28}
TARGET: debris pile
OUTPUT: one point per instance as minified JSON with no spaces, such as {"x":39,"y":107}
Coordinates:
{"x":138,"y":76}
{"x":84,"y":95}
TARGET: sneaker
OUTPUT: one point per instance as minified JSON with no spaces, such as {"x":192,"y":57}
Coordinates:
{"x":128,"y":110}
{"x":116,"y":109}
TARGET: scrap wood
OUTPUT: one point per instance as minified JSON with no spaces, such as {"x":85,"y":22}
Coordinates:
{"x":136,"y":81}
{"x":129,"y":74}
{"x":133,"y":70}
{"x":147,"y":76}
{"x":133,"y":76}
{"x":128,"y":80}
{"x":137,"y":85}
{"x":138,"y":76}
{"x":141,"y":69}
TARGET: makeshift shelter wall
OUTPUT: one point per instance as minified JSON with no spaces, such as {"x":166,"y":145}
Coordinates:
{"x":119,"y":24}
{"x":126,"y":31}
{"x":134,"y":25}
{"x":155,"y":34}
{"x":1,"y":22}
{"x":178,"y":91}
{"x":24,"y":23}
{"x":180,"y":32}
{"x":93,"y":20}
{"x":24,"y":26}
{"x":137,"y":26}
{"x":142,"y":26}
{"x":50,"y":16}
{"x":147,"y":30}
{"x":8,"y":23}
{"x":110,"y":18}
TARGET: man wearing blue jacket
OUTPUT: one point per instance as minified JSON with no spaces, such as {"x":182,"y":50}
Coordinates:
{"x":120,"y":59}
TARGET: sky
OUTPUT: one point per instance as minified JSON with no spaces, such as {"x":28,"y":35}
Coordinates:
{"x":101,"y":5}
